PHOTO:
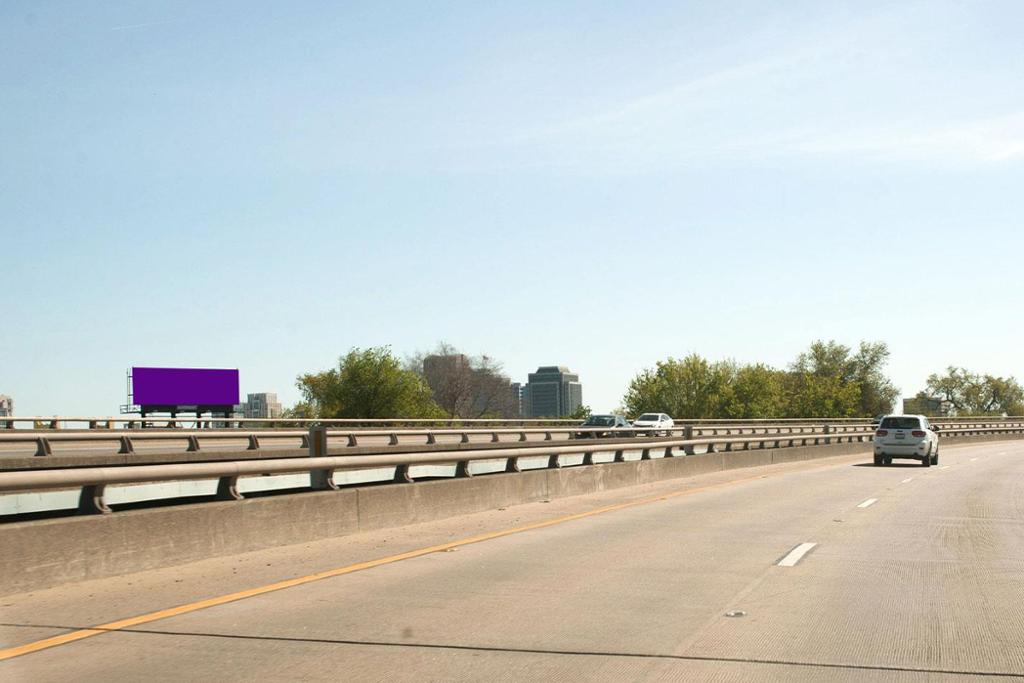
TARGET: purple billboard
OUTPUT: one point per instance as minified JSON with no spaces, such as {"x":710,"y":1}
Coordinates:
{"x":184,"y":387}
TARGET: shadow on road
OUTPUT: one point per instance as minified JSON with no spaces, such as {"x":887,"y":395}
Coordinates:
{"x":894,"y":465}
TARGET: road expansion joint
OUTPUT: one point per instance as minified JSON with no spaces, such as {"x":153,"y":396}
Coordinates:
{"x":618,"y":654}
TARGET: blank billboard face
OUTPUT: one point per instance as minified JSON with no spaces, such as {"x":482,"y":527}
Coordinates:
{"x":184,"y":387}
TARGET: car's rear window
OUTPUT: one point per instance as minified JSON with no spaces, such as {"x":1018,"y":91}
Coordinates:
{"x":649,"y":417}
{"x":901,"y":423}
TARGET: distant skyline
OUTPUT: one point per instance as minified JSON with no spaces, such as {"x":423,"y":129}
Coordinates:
{"x":602,"y":186}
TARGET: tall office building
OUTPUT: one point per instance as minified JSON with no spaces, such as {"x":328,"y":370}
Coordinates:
{"x":263,"y":405}
{"x":552,"y":391}
{"x":6,"y":406}
{"x":516,"y":399}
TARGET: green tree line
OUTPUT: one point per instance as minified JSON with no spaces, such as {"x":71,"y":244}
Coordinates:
{"x":827,"y":380}
{"x":967,"y":393}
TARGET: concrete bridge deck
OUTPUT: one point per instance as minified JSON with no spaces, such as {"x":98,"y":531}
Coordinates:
{"x":915,"y":574}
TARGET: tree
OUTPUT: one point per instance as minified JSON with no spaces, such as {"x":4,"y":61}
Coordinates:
{"x":974,"y":394}
{"x":368,"y":383}
{"x":830,"y":377}
{"x":581,"y":413}
{"x":464,"y":386}
{"x":827,"y":380}
{"x":687,"y":388}
{"x":813,"y":395}
{"x":756,"y":391}
{"x":301,"y":410}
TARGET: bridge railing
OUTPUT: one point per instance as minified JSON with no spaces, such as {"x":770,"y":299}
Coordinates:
{"x":323,"y":460}
{"x":321,"y":464}
{"x":192,"y":440}
{"x":156,"y":422}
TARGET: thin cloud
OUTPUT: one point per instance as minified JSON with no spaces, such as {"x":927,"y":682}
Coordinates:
{"x":130,"y":27}
{"x":987,"y":140}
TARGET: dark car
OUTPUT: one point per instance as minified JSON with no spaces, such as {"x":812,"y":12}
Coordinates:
{"x":604,"y":425}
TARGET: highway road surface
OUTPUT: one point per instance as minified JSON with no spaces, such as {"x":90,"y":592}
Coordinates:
{"x":824,"y":570}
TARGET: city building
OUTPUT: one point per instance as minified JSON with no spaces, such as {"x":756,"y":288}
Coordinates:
{"x":552,"y":391}
{"x":516,"y":399}
{"x":927,"y":405}
{"x":6,"y":406}
{"x":263,"y":405}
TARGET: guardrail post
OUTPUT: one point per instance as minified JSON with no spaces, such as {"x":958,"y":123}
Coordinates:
{"x":91,"y":501}
{"x":54,"y":424}
{"x":588,"y":458}
{"x":465,"y":438}
{"x":193,"y":443}
{"x":645,"y":454}
{"x":522,"y":436}
{"x":620,"y":456}
{"x":431,"y":439}
{"x":254,"y":443}
{"x":512,"y":465}
{"x":126,"y":447}
{"x":553,"y":462}
{"x":317,"y":443}
{"x":494,"y":437}
{"x":43,"y":447}
{"x":688,"y":435}
{"x":92,"y":424}
{"x":322,"y":480}
{"x":828,"y":432}
{"x":353,"y":441}
{"x":393,"y":440}
{"x":711,"y":448}
{"x":668,"y":452}
{"x":462,"y":469}
{"x":9,"y":424}
{"x":402,"y":475}
{"x":227,"y":488}
{"x":547,"y":436}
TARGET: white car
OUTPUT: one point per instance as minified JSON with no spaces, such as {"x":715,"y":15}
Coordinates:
{"x":906,"y":436}
{"x":653,"y":424}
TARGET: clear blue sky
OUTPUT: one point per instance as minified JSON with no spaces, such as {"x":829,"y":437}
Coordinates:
{"x":600,"y":185}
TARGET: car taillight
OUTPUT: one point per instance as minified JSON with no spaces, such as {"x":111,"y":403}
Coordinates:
{"x":917,"y":432}
{"x":882,"y":432}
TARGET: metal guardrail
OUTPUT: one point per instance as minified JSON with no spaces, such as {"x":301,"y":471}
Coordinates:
{"x":126,"y":439}
{"x":193,"y":439}
{"x":321,"y":463}
{"x":108,"y":422}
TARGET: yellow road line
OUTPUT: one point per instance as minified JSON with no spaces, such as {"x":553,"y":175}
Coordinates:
{"x":71,"y":637}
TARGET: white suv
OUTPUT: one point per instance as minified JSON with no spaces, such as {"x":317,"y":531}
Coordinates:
{"x":653,"y":424}
{"x":906,"y":436}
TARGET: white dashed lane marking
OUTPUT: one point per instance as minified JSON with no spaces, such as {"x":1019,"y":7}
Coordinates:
{"x":868,"y":503}
{"x":907,"y":480}
{"x":796,"y":554}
